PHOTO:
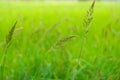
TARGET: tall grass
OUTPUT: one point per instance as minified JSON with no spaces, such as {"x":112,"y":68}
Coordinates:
{"x":7,"y":44}
{"x":86,"y":25}
{"x":60,"y":43}
{"x":44,"y":54}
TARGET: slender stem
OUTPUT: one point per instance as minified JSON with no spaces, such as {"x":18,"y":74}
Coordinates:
{"x":81,"y":49}
{"x":3,"y":62}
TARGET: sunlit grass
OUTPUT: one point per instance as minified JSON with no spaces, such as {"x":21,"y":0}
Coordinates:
{"x":48,"y":38}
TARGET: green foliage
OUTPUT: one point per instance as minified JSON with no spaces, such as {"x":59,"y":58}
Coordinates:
{"x":48,"y":39}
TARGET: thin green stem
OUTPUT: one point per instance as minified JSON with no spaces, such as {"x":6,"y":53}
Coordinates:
{"x":3,"y":62}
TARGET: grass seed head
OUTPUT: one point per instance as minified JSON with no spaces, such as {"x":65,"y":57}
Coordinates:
{"x":10,"y":34}
{"x":64,"y":40}
{"x":88,"y":17}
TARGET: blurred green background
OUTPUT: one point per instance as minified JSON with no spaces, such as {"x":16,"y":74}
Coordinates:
{"x":34,"y":53}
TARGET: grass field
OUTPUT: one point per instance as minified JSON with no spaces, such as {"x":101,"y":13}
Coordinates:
{"x":48,"y":42}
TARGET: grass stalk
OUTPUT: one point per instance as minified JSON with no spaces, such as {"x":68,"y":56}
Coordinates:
{"x":86,"y":25}
{"x":7,"y":44}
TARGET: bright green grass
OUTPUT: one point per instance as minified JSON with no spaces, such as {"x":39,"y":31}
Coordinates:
{"x":34,"y":56}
